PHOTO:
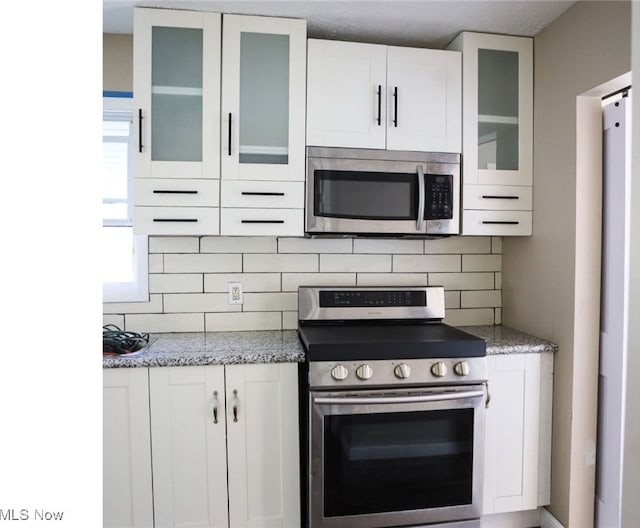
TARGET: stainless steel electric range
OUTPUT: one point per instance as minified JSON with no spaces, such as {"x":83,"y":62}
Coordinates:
{"x":392,"y":410}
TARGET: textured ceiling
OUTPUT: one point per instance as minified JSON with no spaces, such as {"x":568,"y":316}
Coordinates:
{"x":422,"y":23}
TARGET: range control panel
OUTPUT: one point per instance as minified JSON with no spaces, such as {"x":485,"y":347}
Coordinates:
{"x":431,"y":371}
{"x":377,"y":298}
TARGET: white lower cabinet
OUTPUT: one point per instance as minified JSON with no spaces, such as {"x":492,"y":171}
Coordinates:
{"x":518,"y":433}
{"x":225,"y":446}
{"x":127,"y":492}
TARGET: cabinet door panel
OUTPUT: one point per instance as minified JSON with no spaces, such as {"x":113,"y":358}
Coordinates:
{"x":512,"y":433}
{"x":262,"y":419}
{"x":127,"y":494}
{"x":424,"y":100}
{"x":189,"y":452}
{"x":263,"y":98}
{"x":176,"y":93}
{"x":346,"y":94}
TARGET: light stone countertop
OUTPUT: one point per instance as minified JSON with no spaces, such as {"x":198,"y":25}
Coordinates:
{"x":281,"y":346}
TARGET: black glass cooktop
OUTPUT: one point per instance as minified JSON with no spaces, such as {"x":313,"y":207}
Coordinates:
{"x":329,"y":342}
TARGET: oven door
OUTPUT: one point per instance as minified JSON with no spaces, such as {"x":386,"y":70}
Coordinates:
{"x":383,"y":458}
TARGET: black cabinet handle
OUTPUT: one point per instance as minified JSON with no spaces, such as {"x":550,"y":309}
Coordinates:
{"x":256,"y":193}
{"x":262,"y":221}
{"x":395,"y":106}
{"x":175,"y":219}
{"x":379,"y":119}
{"x":170,"y":191}
{"x":497,"y":197}
{"x":229,"y":144}
{"x":501,"y":222}
{"x":139,"y":129}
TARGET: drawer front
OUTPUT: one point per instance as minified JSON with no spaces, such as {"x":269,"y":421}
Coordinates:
{"x":262,"y":194}
{"x":497,"y":223}
{"x":176,"y":220}
{"x":270,"y":222}
{"x":497,"y":197}
{"x":176,"y":192}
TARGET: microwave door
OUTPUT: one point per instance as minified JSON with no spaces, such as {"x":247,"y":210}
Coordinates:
{"x":361,"y":201}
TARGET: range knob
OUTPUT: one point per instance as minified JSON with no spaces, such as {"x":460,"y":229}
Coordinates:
{"x":364,"y":372}
{"x":439,"y":369}
{"x":339,"y":372}
{"x":402,"y":371}
{"x":461,"y":368}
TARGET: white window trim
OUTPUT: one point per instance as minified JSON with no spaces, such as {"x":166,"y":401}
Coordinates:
{"x":138,"y":289}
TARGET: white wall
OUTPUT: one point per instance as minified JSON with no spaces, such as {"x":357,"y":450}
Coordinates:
{"x":551,"y":281}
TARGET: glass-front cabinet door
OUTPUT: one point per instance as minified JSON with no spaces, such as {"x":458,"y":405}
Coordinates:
{"x":263,"y":98}
{"x":498,"y":108}
{"x":176,"y":93}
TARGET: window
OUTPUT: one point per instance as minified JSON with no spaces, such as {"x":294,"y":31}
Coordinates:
{"x":125,"y":255}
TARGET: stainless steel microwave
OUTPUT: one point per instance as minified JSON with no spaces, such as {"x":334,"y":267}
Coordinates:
{"x":381,"y":192}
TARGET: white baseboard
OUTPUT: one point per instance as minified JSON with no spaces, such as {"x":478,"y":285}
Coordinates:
{"x":547,"y":520}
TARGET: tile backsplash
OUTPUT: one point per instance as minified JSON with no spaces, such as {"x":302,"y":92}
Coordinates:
{"x":189,"y":276}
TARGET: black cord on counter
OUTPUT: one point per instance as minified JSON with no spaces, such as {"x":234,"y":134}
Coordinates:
{"x":116,"y":341}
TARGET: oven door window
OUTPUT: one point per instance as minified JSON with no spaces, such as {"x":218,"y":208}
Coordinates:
{"x":366,"y":195}
{"x":388,"y":462}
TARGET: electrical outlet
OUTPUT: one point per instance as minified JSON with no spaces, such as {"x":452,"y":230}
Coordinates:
{"x":235,"y":293}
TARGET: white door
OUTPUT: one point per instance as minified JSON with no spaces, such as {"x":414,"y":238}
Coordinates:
{"x":189,"y":453}
{"x":262,"y":443}
{"x":424,"y":100}
{"x":346,"y":94}
{"x":614,"y":310}
{"x":127,"y":498}
{"x":263,"y":98}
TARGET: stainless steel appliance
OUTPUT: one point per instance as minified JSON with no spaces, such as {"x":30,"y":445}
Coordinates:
{"x":393,"y":409}
{"x":380,"y":192}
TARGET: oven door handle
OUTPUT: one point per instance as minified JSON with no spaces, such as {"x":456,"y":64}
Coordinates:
{"x":368,"y":400}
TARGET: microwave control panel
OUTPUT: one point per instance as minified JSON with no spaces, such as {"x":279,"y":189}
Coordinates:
{"x":439,"y":199}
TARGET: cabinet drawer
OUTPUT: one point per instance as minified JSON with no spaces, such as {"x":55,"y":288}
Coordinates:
{"x":273,"y":222}
{"x":176,"y":192}
{"x":497,"y":223}
{"x":263,"y":194}
{"x":176,"y":220}
{"x":497,"y":197}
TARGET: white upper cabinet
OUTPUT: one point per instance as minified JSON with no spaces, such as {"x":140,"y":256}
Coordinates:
{"x":176,"y":122}
{"x":497,"y":142}
{"x":384,"y":97}
{"x":263,"y":98}
{"x":176,"y":93}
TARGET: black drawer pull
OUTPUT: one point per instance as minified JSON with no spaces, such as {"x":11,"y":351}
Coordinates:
{"x":262,"y":221}
{"x":497,"y":197}
{"x":379,"y":118}
{"x":255,"y":193}
{"x":175,"y":219}
{"x":501,"y":222}
{"x":169,"y":191}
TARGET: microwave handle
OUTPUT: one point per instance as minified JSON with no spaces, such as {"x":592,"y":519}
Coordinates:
{"x":421,"y":197}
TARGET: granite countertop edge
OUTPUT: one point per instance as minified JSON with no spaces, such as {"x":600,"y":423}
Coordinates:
{"x":281,"y":346}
